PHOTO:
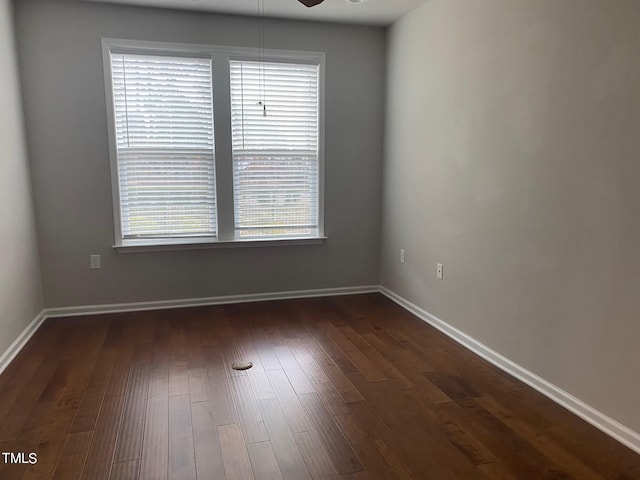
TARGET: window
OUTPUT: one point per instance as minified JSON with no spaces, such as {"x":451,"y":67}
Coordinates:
{"x":274,"y":118}
{"x":164,"y":141}
{"x":214,"y":145}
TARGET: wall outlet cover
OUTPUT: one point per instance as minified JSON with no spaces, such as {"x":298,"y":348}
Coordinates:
{"x":95,"y":262}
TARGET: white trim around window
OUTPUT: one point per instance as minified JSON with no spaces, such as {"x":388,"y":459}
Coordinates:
{"x":202,"y":161}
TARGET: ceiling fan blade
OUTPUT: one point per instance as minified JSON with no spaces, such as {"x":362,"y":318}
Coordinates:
{"x":310,"y":3}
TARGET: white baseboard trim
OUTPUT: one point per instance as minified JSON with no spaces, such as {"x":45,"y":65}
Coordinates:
{"x":608,"y":425}
{"x":198,"y":302}
{"x":18,"y":344}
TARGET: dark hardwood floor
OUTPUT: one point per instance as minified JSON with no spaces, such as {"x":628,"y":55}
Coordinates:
{"x":341,"y":388}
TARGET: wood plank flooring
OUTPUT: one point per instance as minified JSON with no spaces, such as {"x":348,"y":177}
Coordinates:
{"x":348,"y":388}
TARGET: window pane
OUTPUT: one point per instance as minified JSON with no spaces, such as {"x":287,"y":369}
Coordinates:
{"x":167,"y":194}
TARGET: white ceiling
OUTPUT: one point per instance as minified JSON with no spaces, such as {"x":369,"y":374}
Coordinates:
{"x":371,"y":12}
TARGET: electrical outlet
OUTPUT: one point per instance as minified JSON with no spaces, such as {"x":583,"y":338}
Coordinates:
{"x":95,"y":262}
{"x":439,"y":271}
{"x":402,"y":255}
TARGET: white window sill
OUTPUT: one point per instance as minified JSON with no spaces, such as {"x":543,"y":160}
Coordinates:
{"x":155,"y":245}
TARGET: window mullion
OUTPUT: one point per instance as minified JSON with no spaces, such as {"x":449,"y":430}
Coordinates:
{"x":224,"y":154}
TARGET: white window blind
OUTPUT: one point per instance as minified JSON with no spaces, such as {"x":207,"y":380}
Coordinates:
{"x":275,"y":127}
{"x":163,"y":110}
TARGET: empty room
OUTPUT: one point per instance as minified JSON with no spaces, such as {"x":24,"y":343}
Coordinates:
{"x":319,"y":239}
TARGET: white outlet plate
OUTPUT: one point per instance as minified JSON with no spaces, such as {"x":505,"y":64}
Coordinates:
{"x":95,"y":262}
{"x":402,"y":255}
{"x":439,"y":271}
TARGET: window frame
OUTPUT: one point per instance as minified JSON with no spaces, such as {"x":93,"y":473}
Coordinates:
{"x":223,"y":152}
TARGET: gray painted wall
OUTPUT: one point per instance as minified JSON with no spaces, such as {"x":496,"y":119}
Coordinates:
{"x":512,"y":143}
{"x":20,"y":287}
{"x":60,"y":56}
